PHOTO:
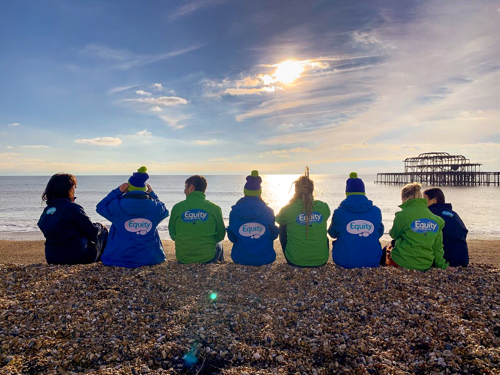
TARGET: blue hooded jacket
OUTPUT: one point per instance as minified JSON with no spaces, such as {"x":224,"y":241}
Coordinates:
{"x":133,"y":239}
{"x":456,"y":251}
{"x":252,"y":231}
{"x":357,"y":225}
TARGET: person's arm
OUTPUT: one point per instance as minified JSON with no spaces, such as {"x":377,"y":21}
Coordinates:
{"x":332,"y":231}
{"x":439,"y":260}
{"x":381,"y":229}
{"x":171,"y":223}
{"x":103,"y":207}
{"x":230,"y":235}
{"x":274,"y":230}
{"x":219,"y":226}
{"x":397,"y":227}
{"x":84,"y":223}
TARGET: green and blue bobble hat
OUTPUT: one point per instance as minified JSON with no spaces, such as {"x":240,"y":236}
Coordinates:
{"x":252,"y":186}
{"x":354,"y":185}
{"x":138,"y":180}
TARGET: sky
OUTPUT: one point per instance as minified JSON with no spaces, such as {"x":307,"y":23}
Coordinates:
{"x":225,"y":87}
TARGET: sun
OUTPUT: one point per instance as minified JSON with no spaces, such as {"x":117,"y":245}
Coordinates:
{"x":288,"y":71}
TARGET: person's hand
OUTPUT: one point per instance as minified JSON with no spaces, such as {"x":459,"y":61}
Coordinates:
{"x":123,"y":187}
{"x":149,"y":190}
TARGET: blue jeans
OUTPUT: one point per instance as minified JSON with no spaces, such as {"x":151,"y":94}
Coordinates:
{"x":219,"y":254}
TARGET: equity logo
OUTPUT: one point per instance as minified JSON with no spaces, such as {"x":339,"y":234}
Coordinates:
{"x":362,"y":228}
{"x":194,"y":215}
{"x":424,"y":226}
{"x":51,"y":210}
{"x":138,"y":226}
{"x":315,"y":217}
{"x":447,"y":213}
{"x":252,"y":230}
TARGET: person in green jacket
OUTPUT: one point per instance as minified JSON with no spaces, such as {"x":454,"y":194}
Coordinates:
{"x":196,"y":225}
{"x":303,"y":226}
{"x":417,"y":233}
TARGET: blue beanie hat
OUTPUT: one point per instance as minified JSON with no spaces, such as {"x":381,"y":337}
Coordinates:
{"x":354,"y":185}
{"x":252,"y":187}
{"x":138,"y":180}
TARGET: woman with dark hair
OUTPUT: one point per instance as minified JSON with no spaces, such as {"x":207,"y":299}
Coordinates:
{"x":303,"y":226}
{"x":455,"y":247}
{"x":417,"y":233}
{"x":70,"y":236}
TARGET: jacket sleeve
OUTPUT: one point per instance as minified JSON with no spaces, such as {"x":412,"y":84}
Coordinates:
{"x":83,"y":222}
{"x":397,"y":227}
{"x":163,"y":211}
{"x":381,"y":229}
{"x":439,"y":260}
{"x":220,"y":228}
{"x":281,"y":218}
{"x":232,"y":236}
{"x":332,"y":231}
{"x":171,"y":223}
{"x":274,"y":230}
{"x":103,"y":207}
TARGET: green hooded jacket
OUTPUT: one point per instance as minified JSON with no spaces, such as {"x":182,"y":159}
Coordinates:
{"x":419,"y":237}
{"x":301,"y":249}
{"x":196,"y":226}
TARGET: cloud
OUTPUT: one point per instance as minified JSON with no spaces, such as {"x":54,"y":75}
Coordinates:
{"x":34,"y":146}
{"x":206,"y":142}
{"x":156,"y":86}
{"x":173,"y":121}
{"x":102,"y":141}
{"x":118,"y":89}
{"x":163,"y":101}
{"x":143,"y":133}
{"x":143,"y":93}
{"x":124,"y":59}
{"x":8,"y":155}
{"x":192,"y":7}
{"x":365,"y":38}
{"x":14,"y":124}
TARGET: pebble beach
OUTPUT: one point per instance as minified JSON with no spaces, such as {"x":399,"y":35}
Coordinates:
{"x":231,"y":319}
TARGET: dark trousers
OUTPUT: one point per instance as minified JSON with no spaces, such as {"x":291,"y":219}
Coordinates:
{"x":219,"y":254}
{"x":94,"y":250}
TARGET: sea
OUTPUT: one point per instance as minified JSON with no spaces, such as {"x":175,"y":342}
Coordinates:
{"x":21,"y":203}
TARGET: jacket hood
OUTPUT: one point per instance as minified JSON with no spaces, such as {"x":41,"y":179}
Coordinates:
{"x":136,"y":203}
{"x":249,"y":208}
{"x":441,"y":206}
{"x":357,"y":203}
{"x":417,"y":202}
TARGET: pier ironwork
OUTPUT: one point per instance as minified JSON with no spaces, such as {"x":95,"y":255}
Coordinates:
{"x":441,"y":169}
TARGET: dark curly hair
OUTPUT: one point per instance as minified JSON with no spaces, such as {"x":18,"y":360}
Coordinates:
{"x":58,"y":187}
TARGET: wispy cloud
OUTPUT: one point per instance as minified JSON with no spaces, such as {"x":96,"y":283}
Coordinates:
{"x":102,"y":141}
{"x":164,"y":101}
{"x":14,"y":124}
{"x":124,"y":59}
{"x":156,"y":86}
{"x":144,"y":133}
{"x":205,"y":142}
{"x":192,"y":7}
{"x":143,"y":93}
{"x":34,"y":146}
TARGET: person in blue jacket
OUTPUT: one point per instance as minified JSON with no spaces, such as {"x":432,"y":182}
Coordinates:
{"x":357,"y":226}
{"x":135,"y":212}
{"x":456,"y":251}
{"x":70,"y":236}
{"x":252,"y":227}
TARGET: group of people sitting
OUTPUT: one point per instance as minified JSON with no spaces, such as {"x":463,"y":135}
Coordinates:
{"x":426,"y":232}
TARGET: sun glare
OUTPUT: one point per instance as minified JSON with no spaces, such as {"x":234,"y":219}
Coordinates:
{"x":277,"y":190}
{"x":288,"y":71}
